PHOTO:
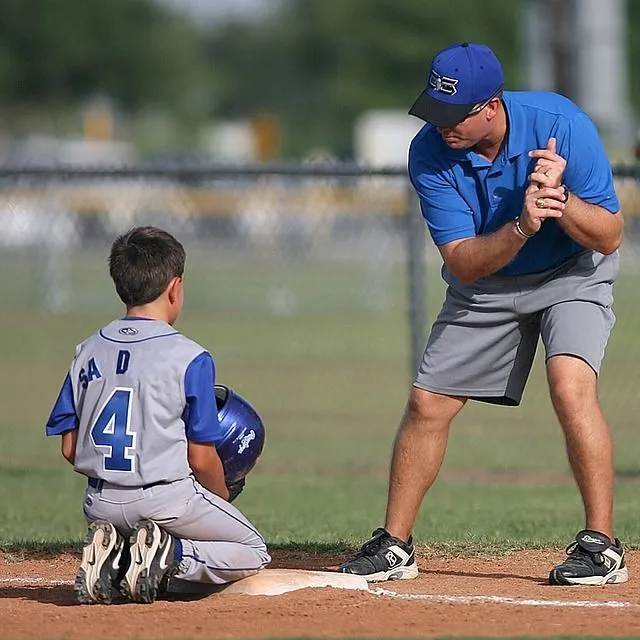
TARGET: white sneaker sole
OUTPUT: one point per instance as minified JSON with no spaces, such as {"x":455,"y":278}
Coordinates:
{"x":143,"y":579}
{"x":145,"y":542}
{"x":408,"y":572}
{"x":615,"y":577}
{"x":89,"y":586}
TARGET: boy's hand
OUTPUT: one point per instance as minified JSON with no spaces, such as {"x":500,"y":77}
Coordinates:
{"x":207,"y":467}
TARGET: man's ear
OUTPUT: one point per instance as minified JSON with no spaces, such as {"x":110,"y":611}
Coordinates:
{"x":492,"y":108}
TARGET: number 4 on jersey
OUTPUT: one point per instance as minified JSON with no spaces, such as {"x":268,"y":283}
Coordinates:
{"x":111,"y":431}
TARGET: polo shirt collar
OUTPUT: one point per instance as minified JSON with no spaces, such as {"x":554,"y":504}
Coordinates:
{"x":475,"y":160}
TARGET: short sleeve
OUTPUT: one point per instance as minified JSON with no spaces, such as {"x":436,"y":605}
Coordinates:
{"x":63,"y":415}
{"x":588,"y":173}
{"x":446,"y":213}
{"x":201,"y":412}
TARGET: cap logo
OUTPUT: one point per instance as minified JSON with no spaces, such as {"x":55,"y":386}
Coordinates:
{"x":443,"y":84}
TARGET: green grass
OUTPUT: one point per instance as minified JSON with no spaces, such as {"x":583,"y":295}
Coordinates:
{"x":330,"y":381}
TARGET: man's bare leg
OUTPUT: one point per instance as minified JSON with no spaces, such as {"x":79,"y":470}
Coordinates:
{"x":572,"y":384}
{"x":418,"y":453}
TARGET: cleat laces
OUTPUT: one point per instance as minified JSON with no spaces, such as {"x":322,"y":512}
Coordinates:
{"x":580,"y":557}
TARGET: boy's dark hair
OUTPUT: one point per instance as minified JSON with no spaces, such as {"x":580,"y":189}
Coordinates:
{"x":143,"y":262}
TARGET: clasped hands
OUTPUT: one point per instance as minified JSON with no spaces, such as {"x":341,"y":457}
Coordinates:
{"x":544,"y":197}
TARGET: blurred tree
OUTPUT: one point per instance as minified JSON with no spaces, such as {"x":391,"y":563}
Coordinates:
{"x":317,"y":65}
{"x":633,"y":26}
{"x":57,"y":53}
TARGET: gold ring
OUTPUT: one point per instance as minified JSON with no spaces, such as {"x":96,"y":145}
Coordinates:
{"x":540,"y":203}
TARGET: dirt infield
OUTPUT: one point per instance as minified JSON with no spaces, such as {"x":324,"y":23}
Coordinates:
{"x":505,"y":596}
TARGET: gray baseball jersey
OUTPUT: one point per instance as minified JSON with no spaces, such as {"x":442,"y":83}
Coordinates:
{"x":136,"y":391}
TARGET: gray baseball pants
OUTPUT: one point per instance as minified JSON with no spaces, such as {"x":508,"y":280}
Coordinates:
{"x":219,"y":544}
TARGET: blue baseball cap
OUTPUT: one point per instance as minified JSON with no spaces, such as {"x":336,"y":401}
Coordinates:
{"x":461,"y":78}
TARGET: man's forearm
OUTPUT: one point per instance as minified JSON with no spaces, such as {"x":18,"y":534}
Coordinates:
{"x":591,"y":226}
{"x":483,"y":255}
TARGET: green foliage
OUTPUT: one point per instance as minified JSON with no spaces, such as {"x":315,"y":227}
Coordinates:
{"x":315,"y":65}
{"x":633,"y":44}
{"x":322,"y":63}
{"x":57,"y":54}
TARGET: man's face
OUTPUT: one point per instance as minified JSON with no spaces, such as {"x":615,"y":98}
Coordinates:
{"x":472,"y":129}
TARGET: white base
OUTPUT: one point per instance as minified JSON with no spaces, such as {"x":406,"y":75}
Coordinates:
{"x":274,"y":582}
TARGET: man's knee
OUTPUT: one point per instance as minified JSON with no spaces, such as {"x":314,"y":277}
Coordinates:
{"x":572,"y":384}
{"x":432,"y":411}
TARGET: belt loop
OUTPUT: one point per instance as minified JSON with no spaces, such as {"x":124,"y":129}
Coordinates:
{"x":96,"y":483}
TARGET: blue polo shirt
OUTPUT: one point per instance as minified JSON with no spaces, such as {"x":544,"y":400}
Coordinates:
{"x":463,"y":195}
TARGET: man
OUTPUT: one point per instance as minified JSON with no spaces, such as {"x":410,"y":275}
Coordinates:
{"x":518,"y":195}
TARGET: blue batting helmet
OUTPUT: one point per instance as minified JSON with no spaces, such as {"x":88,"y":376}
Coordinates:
{"x":243,"y":434}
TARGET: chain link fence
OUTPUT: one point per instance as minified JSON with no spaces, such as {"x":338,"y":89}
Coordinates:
{"x":308,"y":277}
{"x":58,"y":224}
{"x":52,"y":221}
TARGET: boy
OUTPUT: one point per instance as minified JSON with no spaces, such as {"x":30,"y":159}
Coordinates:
{"x":137,"y":415}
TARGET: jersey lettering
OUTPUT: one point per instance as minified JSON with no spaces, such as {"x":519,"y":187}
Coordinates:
{"x":122,"y":364}
{"x":112,"y":433}
{"x":91,"y":373}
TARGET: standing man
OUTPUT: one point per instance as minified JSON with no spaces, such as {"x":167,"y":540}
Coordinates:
{"x":517,"y":192}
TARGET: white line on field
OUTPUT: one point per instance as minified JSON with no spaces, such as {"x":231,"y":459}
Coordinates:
{"x":35,"y":581}
{"x":504,"y":600}
{"x":522,"y":602}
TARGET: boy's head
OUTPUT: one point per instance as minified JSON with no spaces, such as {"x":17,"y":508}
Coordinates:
{"x":147,"y":265}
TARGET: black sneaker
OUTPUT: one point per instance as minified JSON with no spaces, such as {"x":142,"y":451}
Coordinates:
{"x":383,"y":557}
{"x":100,"y":564}
{"x":152,"y":562}
{"x":592,"y":559}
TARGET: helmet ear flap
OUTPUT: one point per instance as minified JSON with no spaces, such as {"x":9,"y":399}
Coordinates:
{"x":243,"y":434}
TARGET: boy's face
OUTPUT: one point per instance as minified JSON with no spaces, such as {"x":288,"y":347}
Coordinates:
{"x":176,"y":299}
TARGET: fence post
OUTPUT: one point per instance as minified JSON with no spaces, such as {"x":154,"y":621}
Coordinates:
{"x":416,"y":277}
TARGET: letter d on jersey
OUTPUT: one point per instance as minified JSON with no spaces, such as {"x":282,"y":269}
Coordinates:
{"x":122,"y":363}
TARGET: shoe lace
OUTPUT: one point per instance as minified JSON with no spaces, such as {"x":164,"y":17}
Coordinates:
{"x":581,"y":557}
{"x":372,"y":546}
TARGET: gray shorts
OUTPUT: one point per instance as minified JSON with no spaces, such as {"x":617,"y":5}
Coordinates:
{"x":484,"y":340}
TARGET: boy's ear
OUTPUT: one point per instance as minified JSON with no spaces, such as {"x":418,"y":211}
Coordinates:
{"x":172,"y":288}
